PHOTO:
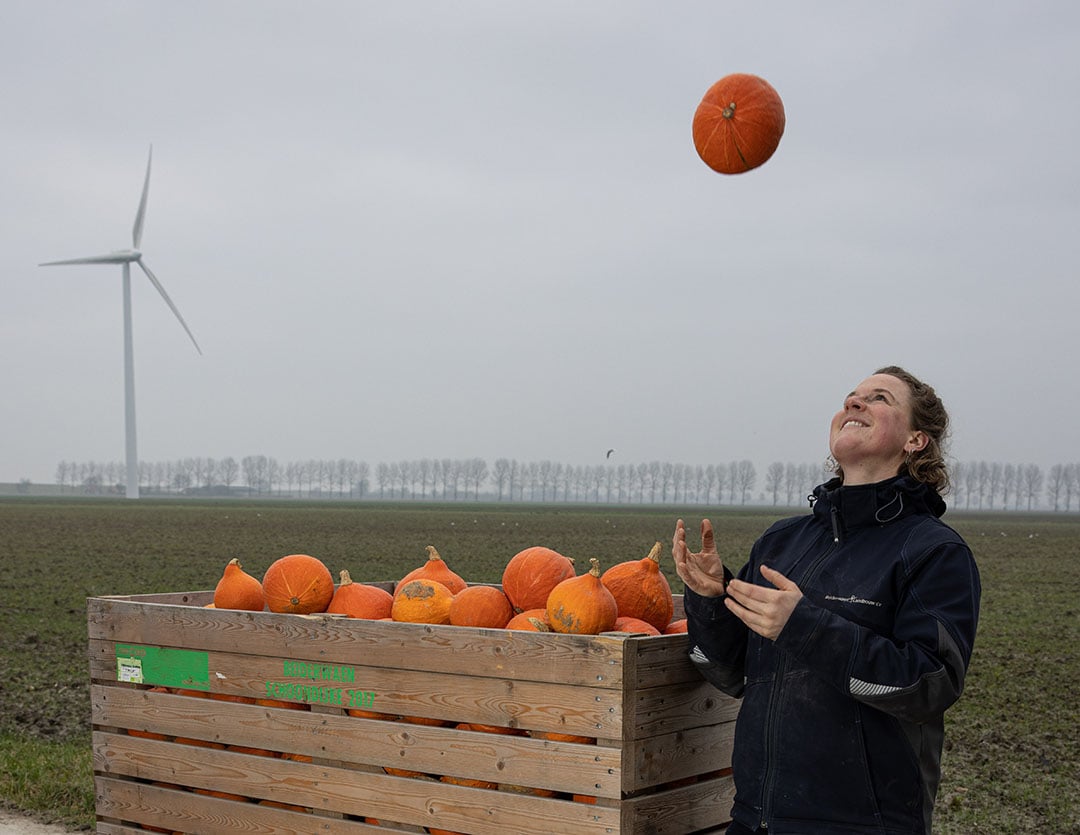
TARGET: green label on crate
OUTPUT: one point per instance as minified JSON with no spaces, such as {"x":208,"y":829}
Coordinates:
{"x":317,"y":692}
{"x":313,"y":694}
{"x":164,"y":667}
{"x":326,"y":672}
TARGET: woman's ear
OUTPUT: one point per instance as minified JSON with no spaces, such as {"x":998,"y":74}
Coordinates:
{"x":917,"y":442}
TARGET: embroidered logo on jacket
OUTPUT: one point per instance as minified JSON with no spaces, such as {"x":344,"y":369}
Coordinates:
{"x":853,"y":599}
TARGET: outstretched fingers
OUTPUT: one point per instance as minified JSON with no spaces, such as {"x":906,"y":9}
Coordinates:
{"x":678,"y":542}
{"x":703,"y":571}
{"x":708,"y":541}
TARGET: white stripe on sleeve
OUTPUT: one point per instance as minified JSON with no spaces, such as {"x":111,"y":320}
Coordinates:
{"x":859,"y":687}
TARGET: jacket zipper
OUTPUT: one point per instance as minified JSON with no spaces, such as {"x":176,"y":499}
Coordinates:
{"x":778,"y":682}
{"x":771,"y":744}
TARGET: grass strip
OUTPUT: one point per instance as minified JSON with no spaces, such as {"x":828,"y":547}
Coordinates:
{"x":53,"y":781}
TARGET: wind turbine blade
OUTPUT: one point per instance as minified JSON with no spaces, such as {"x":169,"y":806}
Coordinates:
{"x":136,"y":233}
{"x":169,"y":302}
{"x":110,"y":258}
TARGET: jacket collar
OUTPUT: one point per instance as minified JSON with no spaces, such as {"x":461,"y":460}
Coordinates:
{"x":847,"y":508}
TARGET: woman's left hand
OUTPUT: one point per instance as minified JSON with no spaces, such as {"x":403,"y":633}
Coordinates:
{"x":764,"y":610}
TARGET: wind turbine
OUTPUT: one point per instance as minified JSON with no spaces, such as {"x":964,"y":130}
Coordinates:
{"x":126,"y":257}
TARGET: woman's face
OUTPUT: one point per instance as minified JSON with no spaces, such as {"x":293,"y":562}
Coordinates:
{"x":871,"y":435}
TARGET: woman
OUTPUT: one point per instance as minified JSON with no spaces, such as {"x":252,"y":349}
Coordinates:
{"x":847,"y":633}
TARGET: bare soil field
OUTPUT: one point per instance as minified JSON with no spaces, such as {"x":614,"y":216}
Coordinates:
{"x":1010,"y":763}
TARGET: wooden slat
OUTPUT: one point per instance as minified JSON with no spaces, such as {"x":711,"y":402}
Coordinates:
{"x":517,"y":703}
{"x":662,"y":661}
{"x":180,"y":810}
{"x":183,"y":598}
{"x":420,"y":802}
{"x":587,"y":661}
{"x":110,"y":828}
{"x":704,"y":806}
{"x":559,"y":766}
{"x":464,"y":698}
{"x":662,"y":710}
{"x":678,"y":756}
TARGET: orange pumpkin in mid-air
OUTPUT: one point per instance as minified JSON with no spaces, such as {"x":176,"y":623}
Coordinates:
{"x":738,"y":124}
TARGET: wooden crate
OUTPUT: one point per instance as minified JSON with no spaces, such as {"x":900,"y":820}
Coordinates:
{"x":254,"y":707}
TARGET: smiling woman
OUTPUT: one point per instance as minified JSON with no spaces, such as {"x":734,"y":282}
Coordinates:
{"x":851,"y":641}
{"x":892,"y":423}
{"x":872,"y":435}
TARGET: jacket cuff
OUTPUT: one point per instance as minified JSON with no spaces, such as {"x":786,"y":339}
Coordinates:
{"x":704,"y":608}
{"x":801,"y":628}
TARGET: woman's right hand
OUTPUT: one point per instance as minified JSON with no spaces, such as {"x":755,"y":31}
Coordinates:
{"x":702,"y":572}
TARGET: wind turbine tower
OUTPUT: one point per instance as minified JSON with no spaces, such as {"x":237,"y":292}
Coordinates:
{"x":127,"y":257}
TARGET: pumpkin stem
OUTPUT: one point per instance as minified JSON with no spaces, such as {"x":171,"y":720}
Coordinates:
{"x":729,"y":111}
{"x":654,"y":554}
{"x":347,"y":580}
{"x":236,"y":562}
{"x":595,"y":569}
{"x":432,"y":553}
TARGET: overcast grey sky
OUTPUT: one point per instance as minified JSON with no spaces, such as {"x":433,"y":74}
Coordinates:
{"x":480,"y":229}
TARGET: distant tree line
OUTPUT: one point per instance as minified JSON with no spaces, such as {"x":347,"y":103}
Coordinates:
{"x":253,"y":475}
{"x":975,"y":485}
{"x":448,"y":479}
{"x":982,"y":485}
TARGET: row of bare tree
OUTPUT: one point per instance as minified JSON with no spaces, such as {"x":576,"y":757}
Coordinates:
{"x":976,"y":485}
{"x":982,"y":485}
{"x":452,"y":480}
{"x":253,"y":474}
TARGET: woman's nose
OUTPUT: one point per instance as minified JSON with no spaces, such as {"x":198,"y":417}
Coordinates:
{"x":854,"y":402}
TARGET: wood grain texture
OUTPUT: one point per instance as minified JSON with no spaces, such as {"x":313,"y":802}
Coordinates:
{"x":660,"y":762}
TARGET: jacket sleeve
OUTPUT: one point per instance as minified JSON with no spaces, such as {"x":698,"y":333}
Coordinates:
{"x":916,"y":673}
{"x":717,"y":640}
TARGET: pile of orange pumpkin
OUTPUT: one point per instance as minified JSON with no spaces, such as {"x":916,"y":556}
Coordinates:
{"x":540,"y":592}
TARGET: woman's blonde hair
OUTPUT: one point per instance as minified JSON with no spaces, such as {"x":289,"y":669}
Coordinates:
{"x":928,"y":416}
